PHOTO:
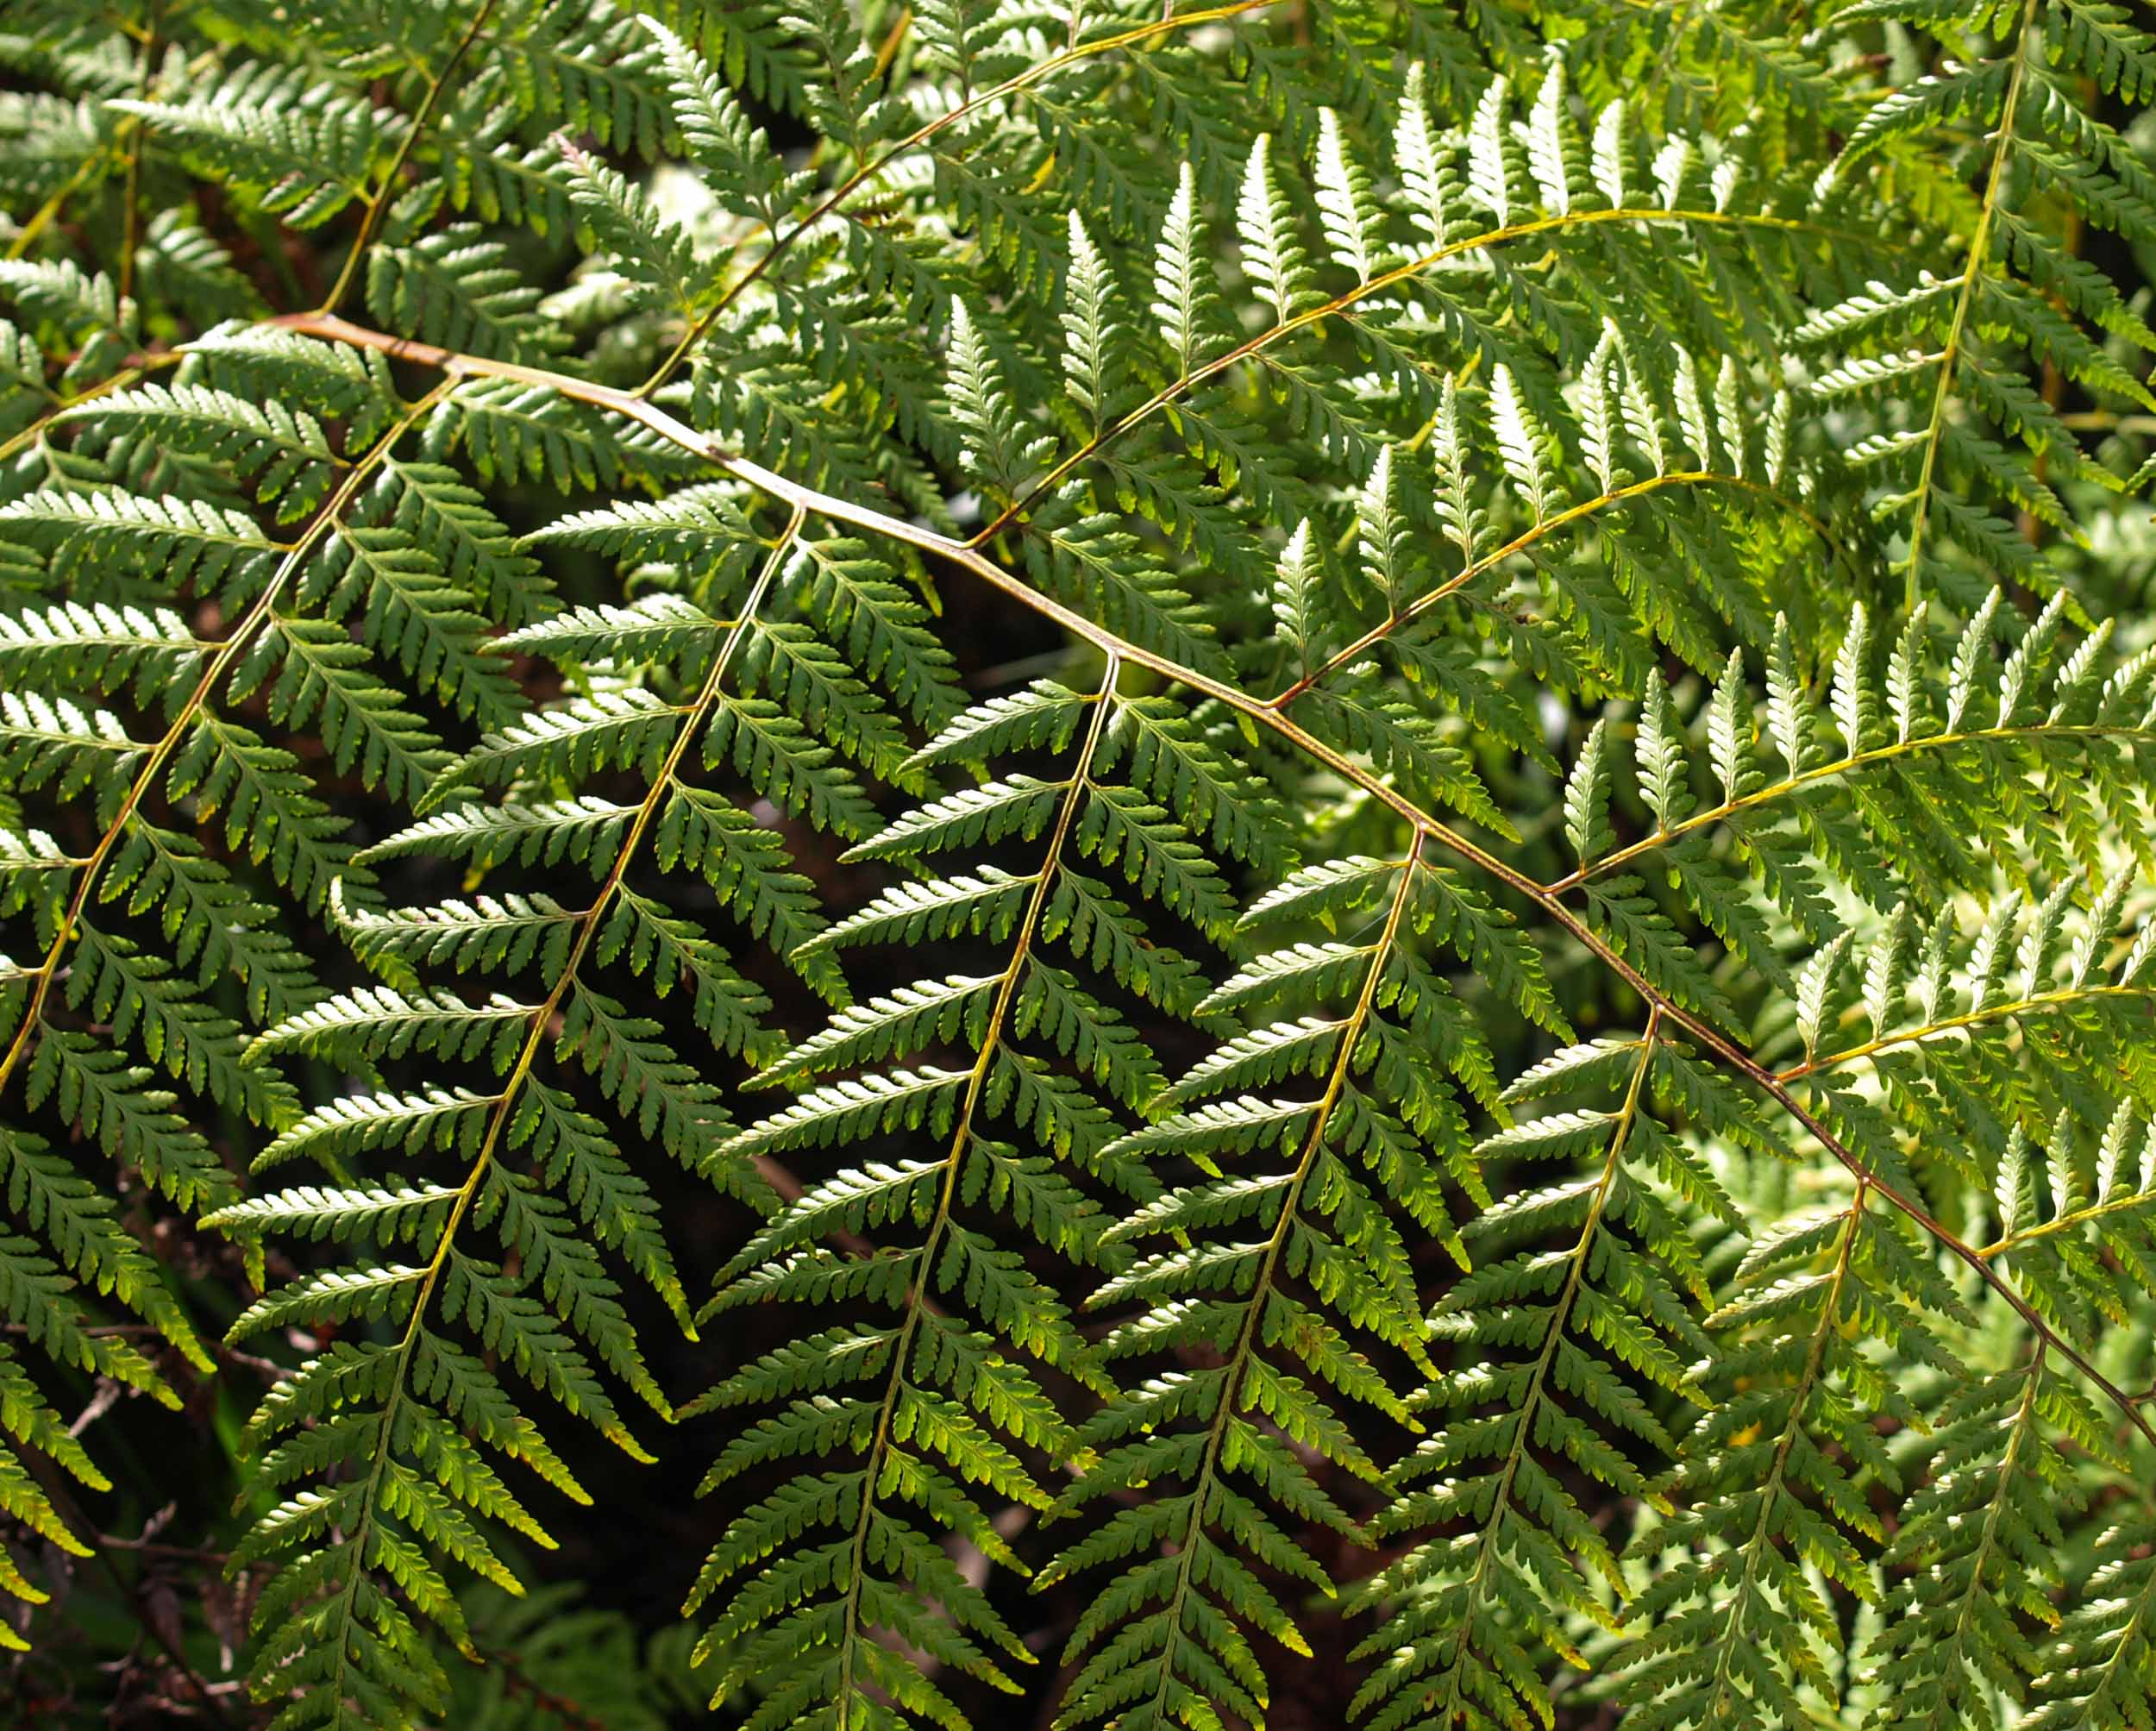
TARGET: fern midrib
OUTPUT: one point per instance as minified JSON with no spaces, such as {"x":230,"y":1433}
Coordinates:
{"x":1800,"y":1397}
{"x":1575,"y":1277}
{"x":61,"y":736}
{"x":2115,"y":1662}
{"x":1857,"y":761}
{"x":1519,"y":544}
{"x":1256,"y":346}
{"x":869,"y":170}
{"x":917,"y":1298}
{"x":1237,"y":1368}
{"x":661,"y":784}
{"x":139,"y":367}
{"x":42,"y":218}
{"x":158,"y":754}
{"x":2059,"y":1223}
{"x":133,"y":142}
{"x":1980,"y":256}
{"x":1378,"y":787}
{"x":375,"y":202}
{"x":2017,"y":1439}
{"x":1993,"y":1013}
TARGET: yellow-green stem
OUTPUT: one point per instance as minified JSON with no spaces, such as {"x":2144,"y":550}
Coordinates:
{"x":160,"y":753}
{"x":1979,"y":255}
{"x":1236,"y":1367}
{"x":967,"y":557}
{"x":1575,"y":1276}
{"x":536,"y":1033}
{"x":917,"y":1298}
{"x":868,"y":170}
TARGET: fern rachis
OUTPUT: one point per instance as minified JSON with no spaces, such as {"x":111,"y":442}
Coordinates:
{"x":1159,"y":635}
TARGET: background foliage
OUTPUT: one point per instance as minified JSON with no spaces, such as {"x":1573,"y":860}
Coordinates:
{"x":1286,"y":863}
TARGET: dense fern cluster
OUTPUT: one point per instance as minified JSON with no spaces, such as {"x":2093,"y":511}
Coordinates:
{"x":1320,"y":834}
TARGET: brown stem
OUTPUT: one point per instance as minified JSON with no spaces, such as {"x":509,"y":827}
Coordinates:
{"x":966,"y":556}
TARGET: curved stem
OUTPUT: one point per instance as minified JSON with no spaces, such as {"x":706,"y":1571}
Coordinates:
{"x":1526,"y":538}
{"x":379,"y":200}
{"x":136,"y":367}
{"x":967,"y":557}
{"x":2021,"y":1428}
{"x":42,"y":218}
{"x":1990,"y":1012}
{"x":2066,"y":1222}
{"x":1575,"y":1277}
{"x":1829,"y":1320}
{"x":137,"y":144}
{"x":190,"y":708}
{"x":1338,"y":303}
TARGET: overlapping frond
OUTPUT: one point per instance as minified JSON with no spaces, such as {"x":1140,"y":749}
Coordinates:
{"x":1118,"y":613}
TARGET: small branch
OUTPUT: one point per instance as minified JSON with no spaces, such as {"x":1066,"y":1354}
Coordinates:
{"x":1980,"y":253}
{"x":155,"y":759}
{"x":1824,"y":772}
{"x":137,"y":144}
{"x":1257,"y":345}
{"x":375,"y":204}
{"x":1526,"y":538}
{"x":539,"y":1029}
{"x":137,"y":365}
{"x":1990,"y":1013}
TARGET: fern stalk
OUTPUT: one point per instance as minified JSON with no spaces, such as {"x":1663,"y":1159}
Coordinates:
{"x":1454,"y":1706}
{"x":974,"y":103}
{"x":1382,"y":789}
{"x":1398,"y":617}
{"x":1237,"y":1368}
{"x":152,"y":764}
{"x":2015,"y":1009}
{"x":692,"y":716}
{"x":133,"y":144}
{"x":1711,"y":816}
{"x":1980,"y":256}
{"x":1723,"y":1700}
{"x":916,"y":1302}
{"x":139,"y":368}
{"x":1253,"y":347}
{"x":2021,"y":1436}
{"x":372,"y":206}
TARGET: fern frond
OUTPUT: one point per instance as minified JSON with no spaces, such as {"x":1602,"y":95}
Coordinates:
{"x":1514,"y":526}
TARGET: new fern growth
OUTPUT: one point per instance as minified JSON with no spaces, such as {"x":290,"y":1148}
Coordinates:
{"x":1318,"y":836}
